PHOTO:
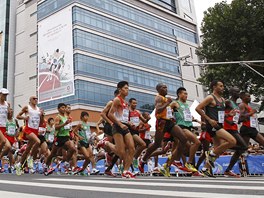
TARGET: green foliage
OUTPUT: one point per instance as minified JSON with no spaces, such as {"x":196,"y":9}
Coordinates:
{"x":234,"y":32}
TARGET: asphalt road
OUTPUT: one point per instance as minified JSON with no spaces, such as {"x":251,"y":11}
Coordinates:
{"x":35,"y":186}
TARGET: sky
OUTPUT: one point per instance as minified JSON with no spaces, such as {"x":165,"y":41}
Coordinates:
{"x":203,"y":5}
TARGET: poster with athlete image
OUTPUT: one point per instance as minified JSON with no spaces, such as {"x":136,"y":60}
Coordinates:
{"x":55,"y":56}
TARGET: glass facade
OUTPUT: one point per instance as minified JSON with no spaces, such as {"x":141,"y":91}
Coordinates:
{"x":151,"y":57}
{"x":93,"y":67}
{"x":122,"y":11}
{"x":123,"y":31}
{"x":96,"y":44}
{"x":4,"y":35}
{"x":98,"y":94}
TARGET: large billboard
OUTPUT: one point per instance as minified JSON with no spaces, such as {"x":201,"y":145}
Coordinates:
{"x":55,"y":56}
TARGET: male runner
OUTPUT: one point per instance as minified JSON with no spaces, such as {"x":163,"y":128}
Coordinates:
{"x":164,"y":124}
{"x":32,"y":117}
{"x":212,"y":110}
{"x":119,"y":115}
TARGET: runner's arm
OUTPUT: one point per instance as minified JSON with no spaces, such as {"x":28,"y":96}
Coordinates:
{"x":104,"y":112}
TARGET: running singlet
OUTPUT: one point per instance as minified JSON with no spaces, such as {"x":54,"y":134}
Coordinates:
{"x":34,"y":118}
{"x":50,"y":136}
{"x":252,"y":121}
{"x":183,"y":116}
{"x":124,"y":116}
{"x":63,"y":131}
{"x":234,"y":119}
{"x":217,"y":112}
{"x":134,"y":117}
{"x":11,"y":127}
{"x":166,"y":114}
{"x":42,"y":129}
{"x":146,"y":134}
{"x":3,"y":114}
{"x":85,"y":132}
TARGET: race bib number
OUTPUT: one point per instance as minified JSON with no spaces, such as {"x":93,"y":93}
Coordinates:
{"x":236,"y":118}
{"x":125,"y":115}
{"x":147,"y":135}
{"x":135,"y":120}
{"x":88,"y":134}
{"x":67,"y":127}
{"x":42,"y":131}
{"x":50,"y":138}
{"x":221,"y":117}
{"x":187,"y":115}
{"x":169,"y":112}
{"x":33,"y":122}
{"x":11,"y":131}
{"x":253,"y":122}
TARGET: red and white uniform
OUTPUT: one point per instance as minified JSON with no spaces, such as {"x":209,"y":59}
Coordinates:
{"x":32,"y":124}
{"x":145,"y":135}
{"x":124,"y":115}
{"x":3,"y":116}
{"x":233,"y":127}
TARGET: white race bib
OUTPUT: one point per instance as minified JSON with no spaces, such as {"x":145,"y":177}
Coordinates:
{"x":11,"y":130}
{"x":253,"y":122}
{"x":221,"y":117}
{"x":236,"y":118}
{"x":187,"y":115}
{"x":147,"y":135}
{"x":50,"y":138}
{"x":42,"y":131}
{"x":169,"y":112}
{"x":68,"y":126}
{"x":33,"y":122}
{"x":135,"y":120}
{"x":125,"y":115}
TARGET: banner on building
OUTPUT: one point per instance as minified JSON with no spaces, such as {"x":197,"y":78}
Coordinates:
{"x":55,"y":56}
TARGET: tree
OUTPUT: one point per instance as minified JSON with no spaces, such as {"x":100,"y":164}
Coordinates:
{"x":234,"y":32}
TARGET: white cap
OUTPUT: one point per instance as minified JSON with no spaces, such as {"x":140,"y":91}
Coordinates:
{"x":4,"y":91}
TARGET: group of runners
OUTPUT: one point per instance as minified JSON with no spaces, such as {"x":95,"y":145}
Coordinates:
{"x":127,"y":140}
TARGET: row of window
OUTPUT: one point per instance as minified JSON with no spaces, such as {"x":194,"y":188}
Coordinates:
{"x":94,"y":67}
{"x":119,"y":9}
{"x":168,"y":4}
{"x":115,"y":28}
{"x":98,"y":94}
{"x":97,"y":44}
{"x":125,"y":12}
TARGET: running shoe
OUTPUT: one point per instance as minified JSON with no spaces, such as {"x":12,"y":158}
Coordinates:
{"x":30,"y":162}
{"x":77,"y":170}
{"x":210,"y":159}
{"x":190,"y":167}
{"x":18,"y":169}
{"x":48,"y":171}
{"x":180,"y":166}
{"x":128,"y":175}
{"x":198,"y":174}
{"x":207,"y":173}
{"x":109,"y":173}
{"x":165,"y":170}
{"x":94,"y":171}
{"x":231,"y":174}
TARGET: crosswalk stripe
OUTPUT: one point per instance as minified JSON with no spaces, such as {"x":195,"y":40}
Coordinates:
{"x":130,"y":190}
{"x":212,"y":180}
{"x":22,"y":195}
{"x":189,"y":185}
